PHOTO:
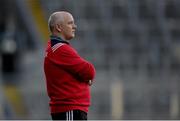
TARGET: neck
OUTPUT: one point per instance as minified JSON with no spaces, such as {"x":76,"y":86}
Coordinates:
{"x":55,"y":39}
{"x":59,"y":35}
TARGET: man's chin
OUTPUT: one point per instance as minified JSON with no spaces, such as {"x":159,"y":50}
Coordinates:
{"x":71,"y":37}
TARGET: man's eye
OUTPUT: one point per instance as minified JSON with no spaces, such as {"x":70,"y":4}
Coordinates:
{"x":70,"y":22}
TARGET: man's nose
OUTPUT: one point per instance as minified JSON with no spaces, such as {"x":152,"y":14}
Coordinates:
{"x":75,"y":26}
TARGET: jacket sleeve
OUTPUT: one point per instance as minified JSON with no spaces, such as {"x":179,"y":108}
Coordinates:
{"x":67,"y":58}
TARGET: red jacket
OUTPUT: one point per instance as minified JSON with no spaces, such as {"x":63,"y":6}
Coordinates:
{"x":67,"y":76}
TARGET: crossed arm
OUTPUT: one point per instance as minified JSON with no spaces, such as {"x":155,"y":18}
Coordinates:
{"x":68,"y":58}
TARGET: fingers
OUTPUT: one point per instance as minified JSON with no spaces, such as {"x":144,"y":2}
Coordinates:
{"x":90,"y":82}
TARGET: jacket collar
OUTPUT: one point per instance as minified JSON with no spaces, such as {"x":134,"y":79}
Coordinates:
{"x":56,"y":39}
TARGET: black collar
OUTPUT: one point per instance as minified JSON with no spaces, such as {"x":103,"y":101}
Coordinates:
{"x":56,"y":39}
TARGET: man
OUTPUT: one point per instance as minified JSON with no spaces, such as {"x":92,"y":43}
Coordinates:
{"x":68,"y":76}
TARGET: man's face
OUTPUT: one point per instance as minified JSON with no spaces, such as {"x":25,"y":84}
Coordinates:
{"x":68,"y":27}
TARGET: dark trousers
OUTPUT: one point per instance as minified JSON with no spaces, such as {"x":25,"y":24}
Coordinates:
{"x":70,"y":115}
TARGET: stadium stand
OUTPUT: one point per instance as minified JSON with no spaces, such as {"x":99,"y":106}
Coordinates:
{"x":132,"y":43}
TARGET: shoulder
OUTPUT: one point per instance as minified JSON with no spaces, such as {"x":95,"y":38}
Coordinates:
{"x":62,"y":49}
{"x":57,"y":46}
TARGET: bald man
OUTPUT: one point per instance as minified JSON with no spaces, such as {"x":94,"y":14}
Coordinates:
{"x":68,"y":76}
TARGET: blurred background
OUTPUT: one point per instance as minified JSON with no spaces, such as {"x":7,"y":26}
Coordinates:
{"x":134,"y":45}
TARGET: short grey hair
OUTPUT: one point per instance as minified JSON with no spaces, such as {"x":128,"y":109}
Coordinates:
{"x":54,"y":19}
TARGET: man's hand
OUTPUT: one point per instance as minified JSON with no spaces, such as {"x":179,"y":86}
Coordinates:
{"x":90,"y":82}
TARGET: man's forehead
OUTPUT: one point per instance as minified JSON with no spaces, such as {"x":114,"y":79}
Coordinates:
{"x":69,"y":18}
{"x":66,"y":16}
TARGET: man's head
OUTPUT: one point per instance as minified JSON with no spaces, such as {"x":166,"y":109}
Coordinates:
{"x":62,"y":24}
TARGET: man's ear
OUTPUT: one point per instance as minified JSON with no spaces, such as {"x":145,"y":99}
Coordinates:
{"x":58,"y":28}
